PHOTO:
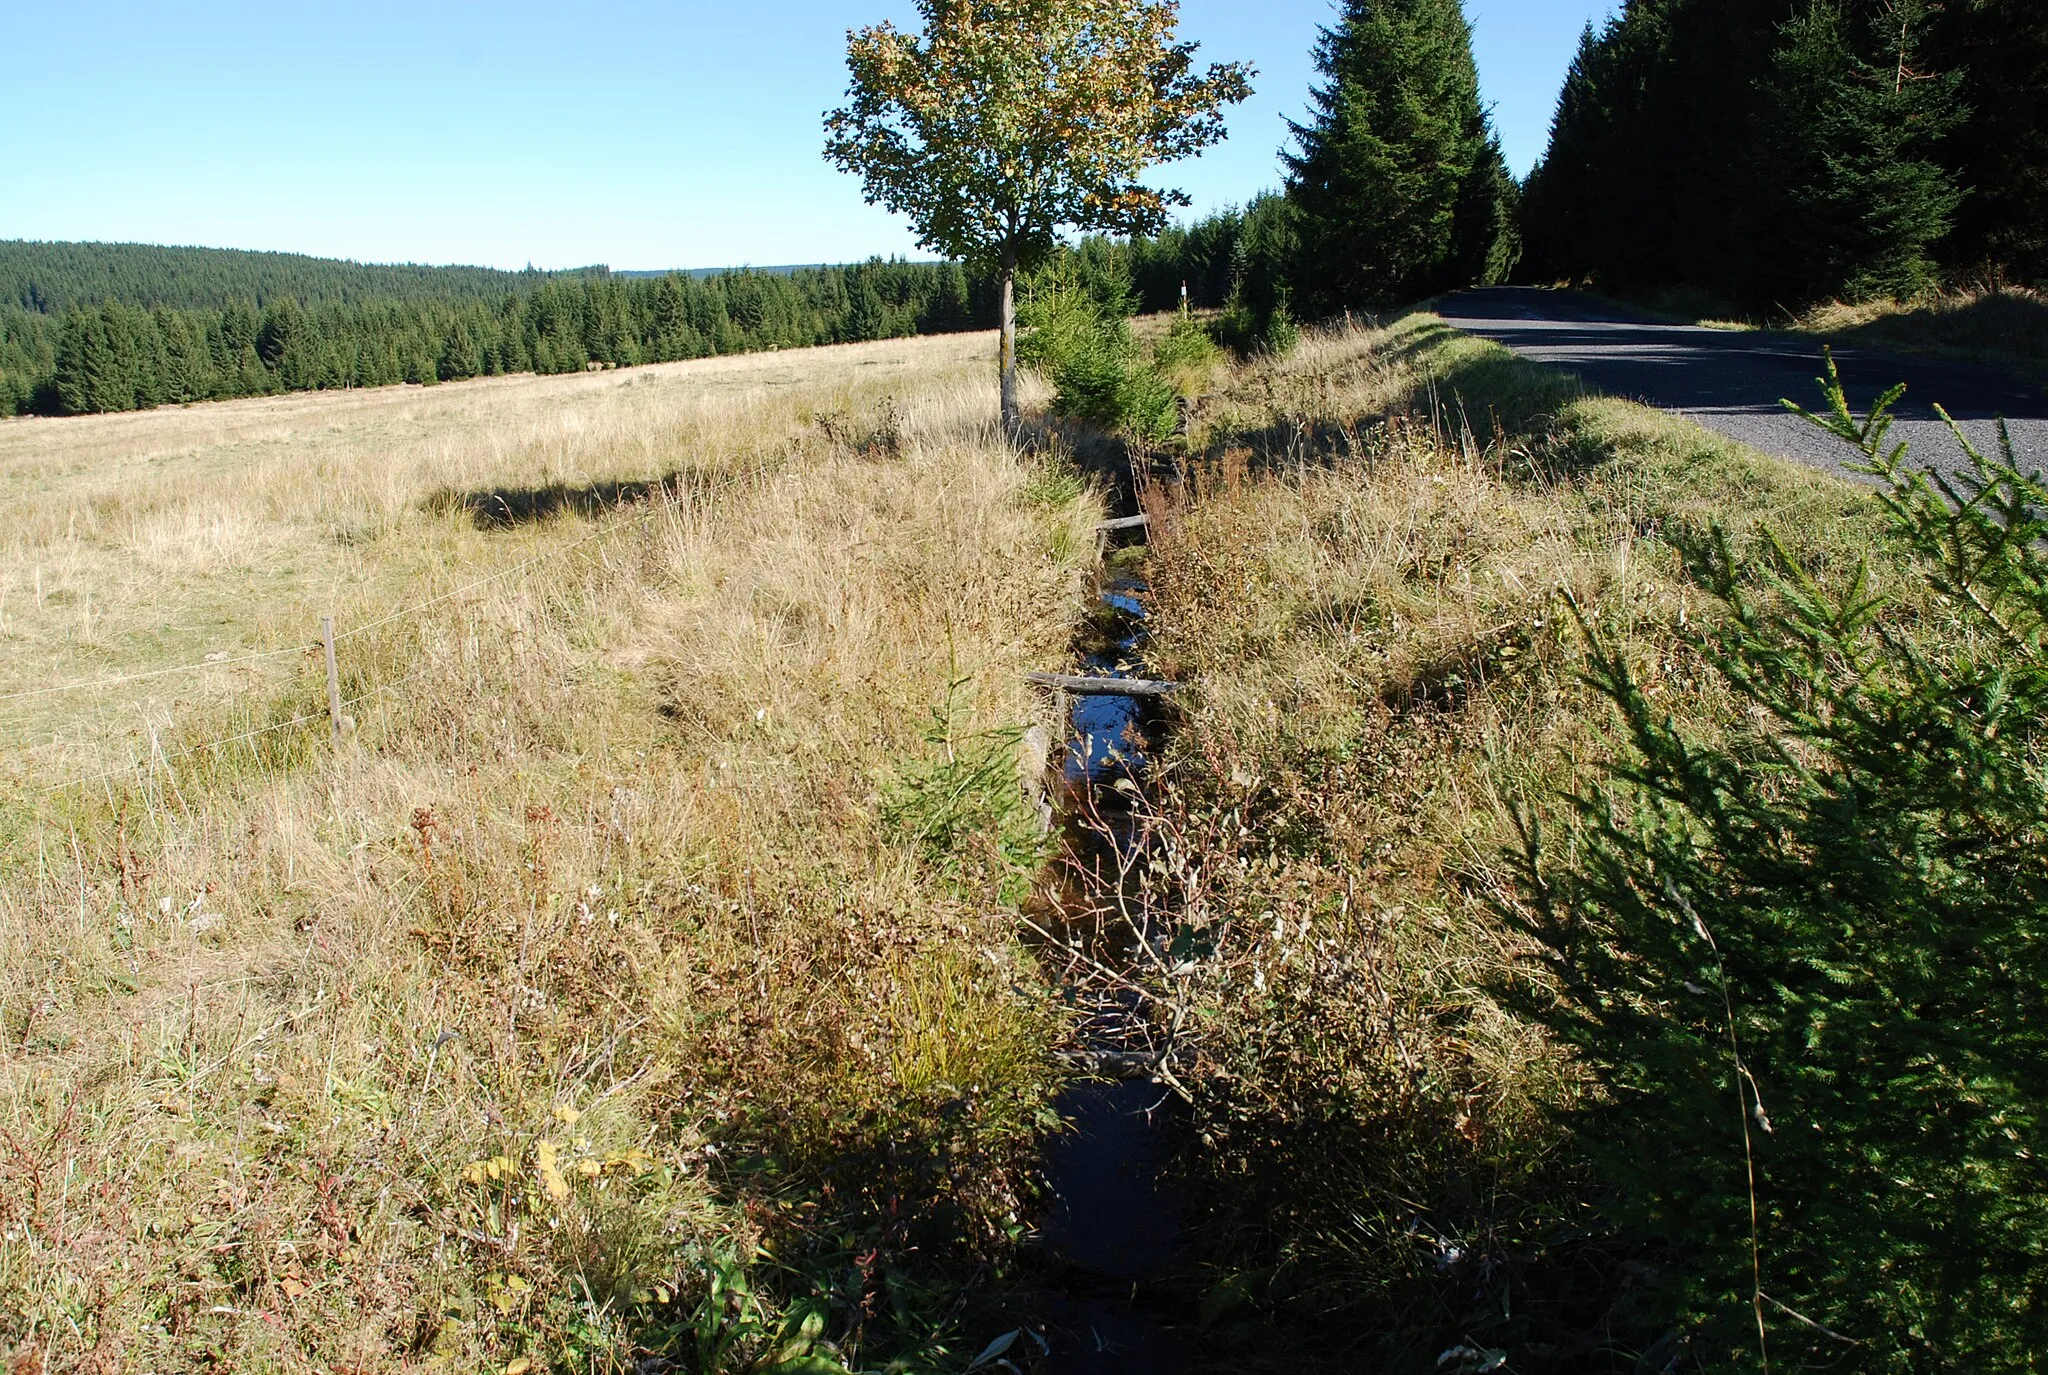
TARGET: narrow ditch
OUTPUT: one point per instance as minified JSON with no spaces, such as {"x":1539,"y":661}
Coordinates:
{"x":1113,"y":1233}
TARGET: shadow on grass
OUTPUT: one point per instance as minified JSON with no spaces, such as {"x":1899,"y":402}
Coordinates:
{"x":1464,"y":389}
{"x":502,"y":508}
{"x":1481,"y":386}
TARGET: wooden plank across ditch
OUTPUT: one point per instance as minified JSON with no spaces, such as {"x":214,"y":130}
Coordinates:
{"x":1084,"y":685}
{"x":1125,"y":523}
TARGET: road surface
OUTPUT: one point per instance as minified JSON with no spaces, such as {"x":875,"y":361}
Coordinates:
{"x":1731,"y":380}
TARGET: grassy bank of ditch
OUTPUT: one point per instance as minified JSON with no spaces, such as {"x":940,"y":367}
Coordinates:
{"x":1366,"y":579}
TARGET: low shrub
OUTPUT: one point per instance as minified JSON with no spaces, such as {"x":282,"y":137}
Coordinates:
{"x":1187,"y":353}
{"x":1248,"y":332}
{"x":1099,"y":371}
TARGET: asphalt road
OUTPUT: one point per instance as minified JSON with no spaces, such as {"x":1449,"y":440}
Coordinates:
{"x":1732,"y":381}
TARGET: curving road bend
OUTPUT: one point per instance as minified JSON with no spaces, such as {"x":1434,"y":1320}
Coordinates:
{"x":1732,"y":381}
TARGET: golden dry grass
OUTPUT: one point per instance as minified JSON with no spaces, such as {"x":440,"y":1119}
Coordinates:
{"x":2002,"y":326}
{"x":2005,"y":326}
{"x":596,"y":888}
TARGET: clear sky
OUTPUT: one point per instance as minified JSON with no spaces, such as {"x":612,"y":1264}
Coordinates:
{"x":642,"y":135}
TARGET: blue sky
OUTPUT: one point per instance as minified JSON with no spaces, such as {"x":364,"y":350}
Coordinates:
{"x":637,"y":134}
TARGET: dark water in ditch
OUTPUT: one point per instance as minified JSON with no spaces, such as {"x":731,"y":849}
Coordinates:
{"x":1113,"y":1230}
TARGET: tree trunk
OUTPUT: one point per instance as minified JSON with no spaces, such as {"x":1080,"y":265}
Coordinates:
{"x":1007,"y":352}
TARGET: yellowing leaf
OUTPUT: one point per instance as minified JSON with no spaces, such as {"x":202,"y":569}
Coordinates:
{"x":545,"y":1156}
{"x":566,"y":1115}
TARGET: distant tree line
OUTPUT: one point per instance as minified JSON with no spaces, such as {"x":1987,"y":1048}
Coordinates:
{"x":1778,"y":152}
{"x":118,"y":354}
{"x":1396,"y":190}
{"x":50,"y":278}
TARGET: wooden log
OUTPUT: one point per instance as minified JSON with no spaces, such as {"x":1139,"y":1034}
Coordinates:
{"x":1125,"y":523}
{"x":1082,"y":685}
{"x":1116,"y":1064}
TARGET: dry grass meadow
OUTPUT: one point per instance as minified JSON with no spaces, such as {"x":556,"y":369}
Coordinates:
{"x":480,"y":1039}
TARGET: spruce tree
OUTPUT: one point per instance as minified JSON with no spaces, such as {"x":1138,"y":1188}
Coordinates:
{"x":867,"y":316}
{"x":671,"y":318}
{"x":84,"y":360}
{"x":1773,"y":152}
{"x":2000,"y":151}
{"x":1803,"y":958}
{"x":1860,"y":202}
{"x":1486,"y":233}
{"x":281,"y":325}
{"x":1557,"y":210}
{"x":1397,"y":182}
{"x":1264,"y":252}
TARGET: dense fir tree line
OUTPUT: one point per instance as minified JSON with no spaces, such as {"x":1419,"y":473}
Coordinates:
{"x":1150,"y":272}
{"x":114,"y":354}
{"x":50,"y":278}
{"x":1778,"y":152}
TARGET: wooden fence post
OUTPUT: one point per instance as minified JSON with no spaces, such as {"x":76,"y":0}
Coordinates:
{"x":333,"y":678}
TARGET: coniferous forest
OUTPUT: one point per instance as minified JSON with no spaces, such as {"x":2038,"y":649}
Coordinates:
{"x":1398,"y":181}
{"x":1776,"y":154}
{"x":113,"y":327}
{"x":1396,"y":188}
{"x":1768,"y":154}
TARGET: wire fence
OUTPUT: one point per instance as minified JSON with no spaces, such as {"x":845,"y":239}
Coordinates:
{"x":100,"y":684}
{"x":158,"y":758}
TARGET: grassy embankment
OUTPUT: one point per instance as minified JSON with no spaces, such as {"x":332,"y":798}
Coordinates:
{"x":2003,"y":327}
{"x":1366,"y":579}
{"x":2006,"y":328}
{"x":655,"y":910}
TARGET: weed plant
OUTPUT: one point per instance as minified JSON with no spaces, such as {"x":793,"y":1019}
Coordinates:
{"x":963,"y":807}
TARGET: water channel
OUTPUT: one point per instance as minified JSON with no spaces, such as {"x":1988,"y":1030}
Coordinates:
{"x":1113,"y":1231}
